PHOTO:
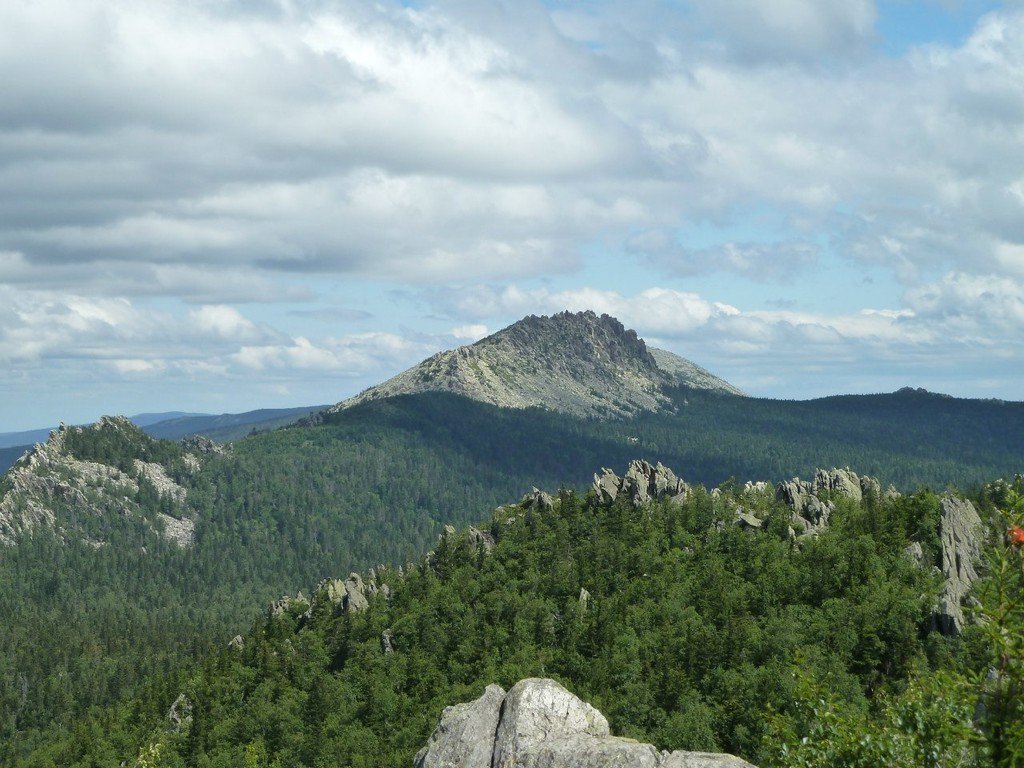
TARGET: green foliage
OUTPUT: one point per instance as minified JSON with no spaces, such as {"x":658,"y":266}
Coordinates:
{"x":927,"y":725}
{"x":689,"y":633}
{"x":1001,"y":614}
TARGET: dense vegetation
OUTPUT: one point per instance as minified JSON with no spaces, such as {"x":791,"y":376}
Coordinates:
{"x":696,"y":635}
{"x":85,"y":626}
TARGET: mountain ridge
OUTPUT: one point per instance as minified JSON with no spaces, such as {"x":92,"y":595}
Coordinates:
{"x":580,"y":363}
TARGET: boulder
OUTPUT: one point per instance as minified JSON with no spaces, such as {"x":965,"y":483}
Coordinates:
{"x":540,"y":724}
{"x":478,"y":539}
{"x":538,"y":501}
{"x":355,"y":594}
{"x":464,"y":736}
{"x":606,"y":485}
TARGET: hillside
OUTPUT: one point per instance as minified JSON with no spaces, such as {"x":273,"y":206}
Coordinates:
{"x":685,"y":624}
{"x":224,"y":427}
{"x":580,"y":364}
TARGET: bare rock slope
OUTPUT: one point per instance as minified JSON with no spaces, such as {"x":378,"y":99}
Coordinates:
{"x":577,"y":363}
{"x":540,"y":724}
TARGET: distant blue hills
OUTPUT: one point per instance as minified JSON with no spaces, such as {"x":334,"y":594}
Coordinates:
{"x":172,"y":425}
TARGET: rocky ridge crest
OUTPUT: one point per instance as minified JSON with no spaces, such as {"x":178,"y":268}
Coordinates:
{"x":576,"y":363}
{"x":540,"y":724}
{"x":811,"y":503}
{"x":48,"y":479}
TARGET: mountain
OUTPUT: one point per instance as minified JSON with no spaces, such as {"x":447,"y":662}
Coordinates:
{"x":226,"y":427}
{"x":87,"y":481}
{"x":581,"y":364}
{"x":172,"y":425}
{"x":32,"y":436}
{"x":89,"y":573}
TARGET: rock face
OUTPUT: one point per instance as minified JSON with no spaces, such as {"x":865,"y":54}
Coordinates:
{"x":49,"y":480}
{"x":642,"y":483}
{"x":961,"y":536}
{"x":804,"y":497}
{"x":539,"y":724}
{"x":582,"y":364}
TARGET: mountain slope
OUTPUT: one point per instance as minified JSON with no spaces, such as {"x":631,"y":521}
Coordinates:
{"x":681,"y":625}
{"x":579,"y":364}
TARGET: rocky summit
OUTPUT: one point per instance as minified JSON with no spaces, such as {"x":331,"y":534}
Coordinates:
{"x":577,"y":363}
{"x":51,"y":487}
{"x":540,"y":724}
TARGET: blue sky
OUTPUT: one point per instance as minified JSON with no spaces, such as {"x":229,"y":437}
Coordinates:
{"x":232,"y":205}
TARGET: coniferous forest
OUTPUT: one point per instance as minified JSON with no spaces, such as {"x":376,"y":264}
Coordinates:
{"x":125,"y":623}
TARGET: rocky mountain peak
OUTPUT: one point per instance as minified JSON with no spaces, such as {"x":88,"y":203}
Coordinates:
{"x":579,"y":363}
{"x":568,"y":335}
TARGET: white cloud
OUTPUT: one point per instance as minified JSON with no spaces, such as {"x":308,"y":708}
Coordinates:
{"x":225,"y":153}
{"x":471,"y":332}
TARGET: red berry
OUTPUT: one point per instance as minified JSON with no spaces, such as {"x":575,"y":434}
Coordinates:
{"x":1016,"y":536}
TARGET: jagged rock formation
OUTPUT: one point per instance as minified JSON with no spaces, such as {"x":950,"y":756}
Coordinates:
{"x":350,"y":595}
{"x":580,"y":364}
{"x":961,"y":535}
{"x":48,"y":481}
{"x":804,"y":497}
{"x":540,"y":724}
{"x":642,"y":482}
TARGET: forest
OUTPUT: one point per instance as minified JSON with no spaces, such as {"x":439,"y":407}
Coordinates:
{"x":88,"y":627}
{"x":685,"y":629}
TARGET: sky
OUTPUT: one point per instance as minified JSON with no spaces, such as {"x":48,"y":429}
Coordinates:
{"x":221,"y":205}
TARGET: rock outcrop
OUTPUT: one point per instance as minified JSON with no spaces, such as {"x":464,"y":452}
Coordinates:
{"x":540,"y":724}
{"x":811,"y":500}
{"x":961,"y":535}
{"x":642,"y":483}
{"x":578,"y":363}
{"x":49,"y":487}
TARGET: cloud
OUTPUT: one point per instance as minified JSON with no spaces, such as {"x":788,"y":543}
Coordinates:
{"x":789,"y":29}
{"x":471,"y":332}
{"x":164,"y":167}
{"x":142,"y":146}
{"x":210,"y":341}
{"x":759,"y":261}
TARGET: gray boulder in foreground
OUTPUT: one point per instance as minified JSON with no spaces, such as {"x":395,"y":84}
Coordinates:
{"x":540,"y":724}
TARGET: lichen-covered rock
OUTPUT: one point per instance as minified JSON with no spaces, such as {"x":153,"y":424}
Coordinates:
{"x":538,"y":501}
{"x":606,"y":485}
{"x":200,"y":444}
{"x":478,"y":539}
{"x":180,"y":713}
{"x":961,"y":535}
{"x":355,"y":594}
{"x":464,"y":736}
{"x":538,"y":711}
{"x":539,"y":724}
{"x":748,"y":520}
